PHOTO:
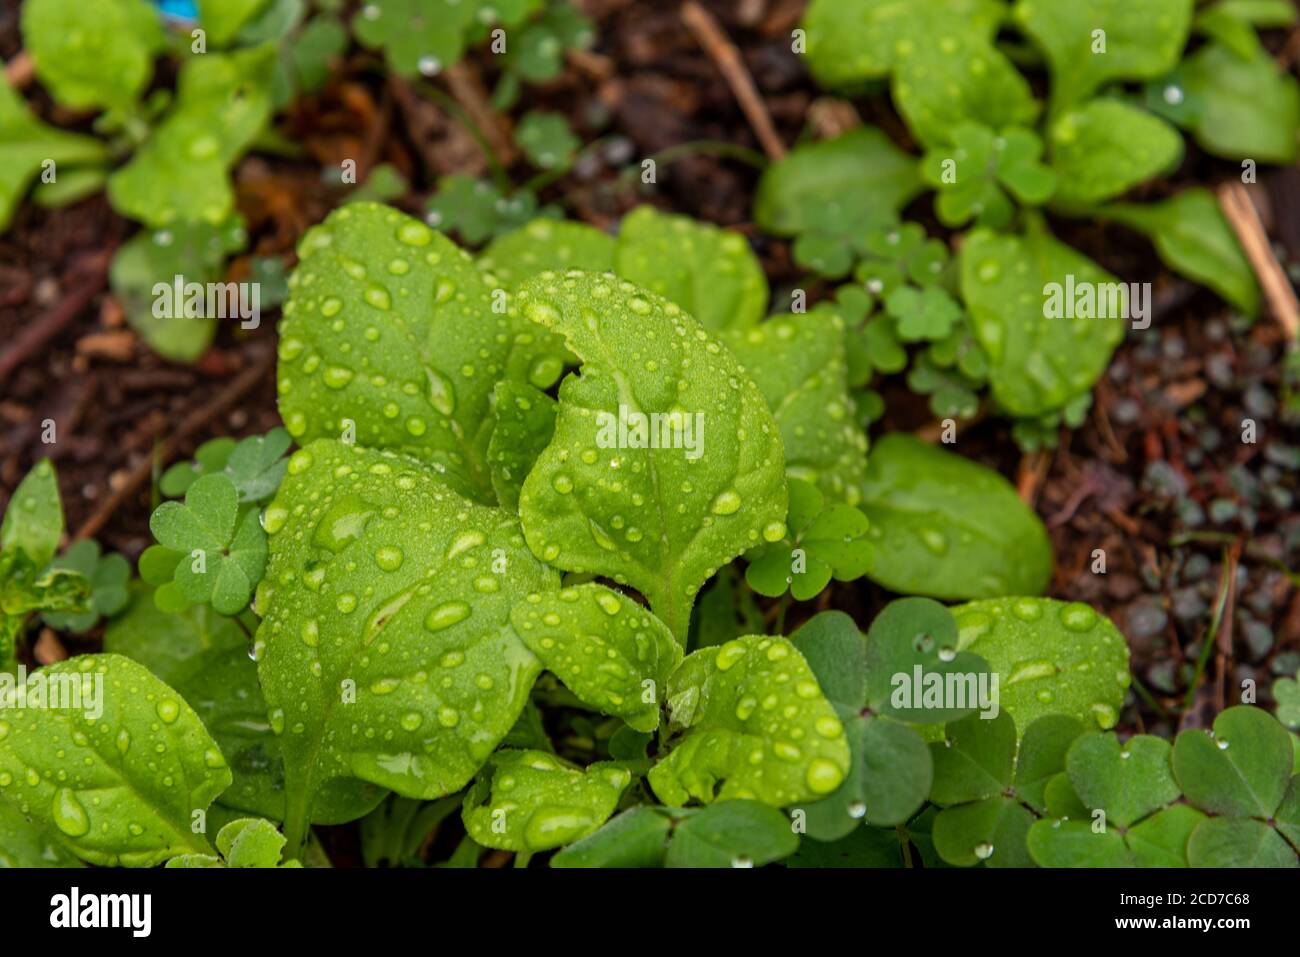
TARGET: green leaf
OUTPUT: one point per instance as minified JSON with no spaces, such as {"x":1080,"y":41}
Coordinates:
{"x":1161,"y":839}
{"x":1238,"y":842}
{"x":945,"y":80}
{"x":757,"y":725}
{"x":548,"y":244}
{"x":727,"y":609}
{"x":1090,"y":43}
{"x":256,"y":465}
{"x":863,"y":847}
{"x":662,"y":520}
{"x":608,"y":650}
{"x":732,"y":834}
{"x":1106,"y":147}
{"x":417,"y":36}
{"x":928,"y":313}
{"x":1236,"y":108}
{"x":710,"y":272}
{"x":638,"y":837}
{"x":224,"y":552}
{"x":478,"y":210}
{"x":223,"y":101}
{"x":392,"y":328}
{"x":1075,"y":844}
{"x":1286,"y":692}
{"x":547,"y":140}
{"x":26,"y":144}
{"x":1193,"y":238}
{"x":33,"y":521}
{"x":1042,"y":756}
{"x":822,"y":542}
{"x":1128,"y":782}
{"x":196,"y":251}
{"x":108,"y":576}
{"x":97,"y":53}
{"x":1038,"y":363}
{"x":245,"y":842}
{"x":993,"y":831}
{"x":223,"y":19}
{"x":836,"y":651}
{"x":384,"y":651}
{"x":1242,"y":770}
{"x":536,"y":53}
{"x":1052,"y":657}
{"x":24,"y":843}
{"x":799,"y":364}
{"x":860,"y":174}
{"x":911,"y":649}
{"x":976,"y":760}
{"x":321,"y":42}
{"x":525,"y":422}
{"x":854,"y":40}
{"x":119,"y":779}
{"x":534,"y":801}
{"x":945,"y":526}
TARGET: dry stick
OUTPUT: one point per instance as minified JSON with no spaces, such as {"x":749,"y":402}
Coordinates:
{"x":1241,"y":213}
{"x":245,"y":382}
{"x":1033,"y":469}
{"x":469,"y":93}
{"x":19,"y":70}
{"x":87,"y":279}
{"x":724,"y":53}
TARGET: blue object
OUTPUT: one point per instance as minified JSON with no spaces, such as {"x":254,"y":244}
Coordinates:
{"x":178,"y":9}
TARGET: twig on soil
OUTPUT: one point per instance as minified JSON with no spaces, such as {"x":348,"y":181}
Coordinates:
{"x":86,"y":279}
{"x":1033,"y":469}
{"x":732,"y":67}
{"x":467,"y":88}
{"x":246,"y":381}
{"x":1219,"y":630}
{"x":1241,"y":213}
{"x":19,"y":70}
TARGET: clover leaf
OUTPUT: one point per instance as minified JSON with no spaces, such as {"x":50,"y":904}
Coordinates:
{"x":1136,"y":42}
{"x":896,"y":254}
{"x":1052,"y":657}
{"x":660,"y":512}
{"x":107,"y":575}
{"x":224,"y":551}
{"x":608,"y":650}
{"x":799,"y":364}
{"x":757,"y":726}
{"x":478,"y":210}
{"x":392,"y":336}
{"x":1193,"y":238}
{"x":94,"y":54}
{"x":531,"y":801}
{"x":384,"y":651}
{"x":928,"y":313}
{"x":119,"y":780}
{"x":948,"y":527}
{"x":990,"y":786}
{"x":971,"y":174}
{"x":547,"y":140}
{"x":255,"y":465}
{"x":1105,"y":147}
{"x":1242,"y":770}
{"x":821,"y":542}
{"x":710,"y":272}
{"x":223,"y":19}
{"x":417,"y":36}
{"x":536,"y":54}
{"x":1039,"y":362}
{"x":1286,"y":692}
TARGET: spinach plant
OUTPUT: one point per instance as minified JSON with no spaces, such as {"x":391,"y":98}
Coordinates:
{"x":477,"y":585}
